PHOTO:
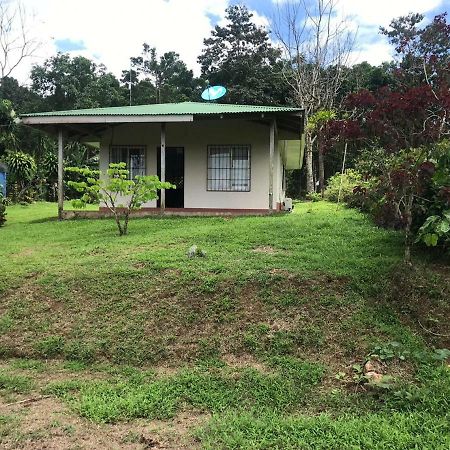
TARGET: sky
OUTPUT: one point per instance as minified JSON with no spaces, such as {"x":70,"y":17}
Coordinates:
{"x":110,"y":31}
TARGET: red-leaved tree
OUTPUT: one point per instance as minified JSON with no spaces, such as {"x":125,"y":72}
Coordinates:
{"x":408,"y":120}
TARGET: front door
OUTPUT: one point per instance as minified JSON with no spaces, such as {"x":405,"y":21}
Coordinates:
{"x":174,"y":175}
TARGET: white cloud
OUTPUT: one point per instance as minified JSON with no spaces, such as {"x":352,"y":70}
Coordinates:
{"x":381,"y":12}
{"x":369,"y":16}
{"x":113,"y":31}
{"x":373,"y":53}
{"x":260,"y":20}
{"x":257,"y":18}
{"x":366,"y":17}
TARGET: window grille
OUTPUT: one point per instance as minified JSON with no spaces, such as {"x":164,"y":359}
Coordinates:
{"x":229,"y":168}
{"x":132,"y":155}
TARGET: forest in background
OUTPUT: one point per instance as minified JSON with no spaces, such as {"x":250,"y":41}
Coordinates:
{"x":388,"y":122}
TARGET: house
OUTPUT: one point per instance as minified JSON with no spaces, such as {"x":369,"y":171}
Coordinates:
{"x":223,"y":158}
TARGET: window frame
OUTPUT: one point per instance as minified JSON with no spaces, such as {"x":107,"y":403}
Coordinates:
{"x":140,"y":147}
{"x":248,"y":147}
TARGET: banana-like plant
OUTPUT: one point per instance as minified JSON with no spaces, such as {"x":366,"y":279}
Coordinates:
{"x":21,"y":166}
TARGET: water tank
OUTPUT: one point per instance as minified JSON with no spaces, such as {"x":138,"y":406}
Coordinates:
{"x":3,"y":179}
{"x":288,"y":204}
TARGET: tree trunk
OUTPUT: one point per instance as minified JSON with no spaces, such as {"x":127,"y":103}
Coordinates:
{"x":408,"y":216}
{"x":309,"y":164}
{"x":119,"y":225}
{"x":321,"y":171}
{"x":125,"y":223}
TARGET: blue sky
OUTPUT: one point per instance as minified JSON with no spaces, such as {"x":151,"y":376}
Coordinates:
{"x":109,"y":31}
{"x":67,"y":45}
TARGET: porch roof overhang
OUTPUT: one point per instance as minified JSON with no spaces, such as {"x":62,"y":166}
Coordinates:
{"x":87,"y":125}
{"x":290,"y":119}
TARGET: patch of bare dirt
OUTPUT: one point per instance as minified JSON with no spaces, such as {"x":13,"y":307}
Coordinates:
{"x":49,"y":424}
{"x":24,"y":253}
{"x":244,"y":361}
{"x":265,"y":249}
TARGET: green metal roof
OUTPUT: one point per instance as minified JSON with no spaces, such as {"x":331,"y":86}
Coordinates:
{"x":162,"y":109}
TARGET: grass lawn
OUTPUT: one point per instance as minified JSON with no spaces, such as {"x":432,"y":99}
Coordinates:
{"x":126,"y":343}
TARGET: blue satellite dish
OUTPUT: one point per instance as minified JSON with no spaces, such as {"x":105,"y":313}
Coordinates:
{"x":213,"y":93}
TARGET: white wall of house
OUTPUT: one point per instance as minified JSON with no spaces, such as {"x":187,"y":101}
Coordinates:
{"x":195,"y":138}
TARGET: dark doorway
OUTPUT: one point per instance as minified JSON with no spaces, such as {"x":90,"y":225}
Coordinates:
{"x":174,"y":175}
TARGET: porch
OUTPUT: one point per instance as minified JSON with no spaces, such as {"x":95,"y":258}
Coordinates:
{"x":260,"y":141}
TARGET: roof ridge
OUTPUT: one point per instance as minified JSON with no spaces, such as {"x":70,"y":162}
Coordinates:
{"x":180,"y":108}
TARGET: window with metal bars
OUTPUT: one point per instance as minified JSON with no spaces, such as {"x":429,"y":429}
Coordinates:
{"x":132,"y":155}
{"x":229,"y":168}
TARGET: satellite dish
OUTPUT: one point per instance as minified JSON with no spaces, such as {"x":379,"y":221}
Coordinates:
{"x":213,"y":93}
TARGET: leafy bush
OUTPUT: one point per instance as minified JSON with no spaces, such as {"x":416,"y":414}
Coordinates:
{"x":2,"y":210}
{"x":345,"y":183}
{"x":409,"y":190}
{"x":436,"y":229}
{"x":75,"y":175}
{"x":314,"y":197}
{"x":22,"y":171}
{"x":433,"y":207}
{"x":117,"y":192}
{"x":48,"y":176}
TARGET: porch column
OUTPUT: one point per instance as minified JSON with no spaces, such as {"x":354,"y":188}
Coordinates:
{"x":60,"y":174}
{"x":163,"y":166}
{"x":271,"y":161}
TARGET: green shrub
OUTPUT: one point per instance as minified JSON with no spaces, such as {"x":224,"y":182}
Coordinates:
{"x":22,"y":173}
{"x":2,"y":211}
{"x":346,"y":183}
{"x":313,"y":197}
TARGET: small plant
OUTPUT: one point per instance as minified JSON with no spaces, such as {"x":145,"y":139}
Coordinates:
{"x":340,"y":187}
{"x":389,"y":351}
{"x":195,"y":251}
{"x":314,"y":197}
{"x":117,"y":192}
{"x":358,"y":374}
{"x":436,"y":229}
{"x":441,"y":354}
{"x":2,"y":210}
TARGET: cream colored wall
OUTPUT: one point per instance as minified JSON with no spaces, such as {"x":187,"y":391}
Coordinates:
{"x":195,"y":137}
{"x":278,"y":192}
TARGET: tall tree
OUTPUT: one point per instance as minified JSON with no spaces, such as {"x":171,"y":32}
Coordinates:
{"x":71,"y":83}
{"x":423,"y":53}
{"x":317,"y":48}
{"x":23,"y":99}
{"x":241,"y":57}
{"x":365,"y":76}
{"x":163,"y":79}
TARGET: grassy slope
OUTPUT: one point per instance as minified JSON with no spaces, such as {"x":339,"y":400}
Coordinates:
{"x":258,"y":328}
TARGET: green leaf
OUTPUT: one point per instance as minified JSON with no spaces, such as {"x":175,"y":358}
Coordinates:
{"x":443,"y":227}
{"x":441,"y":354}
{"x":431,"y":239}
